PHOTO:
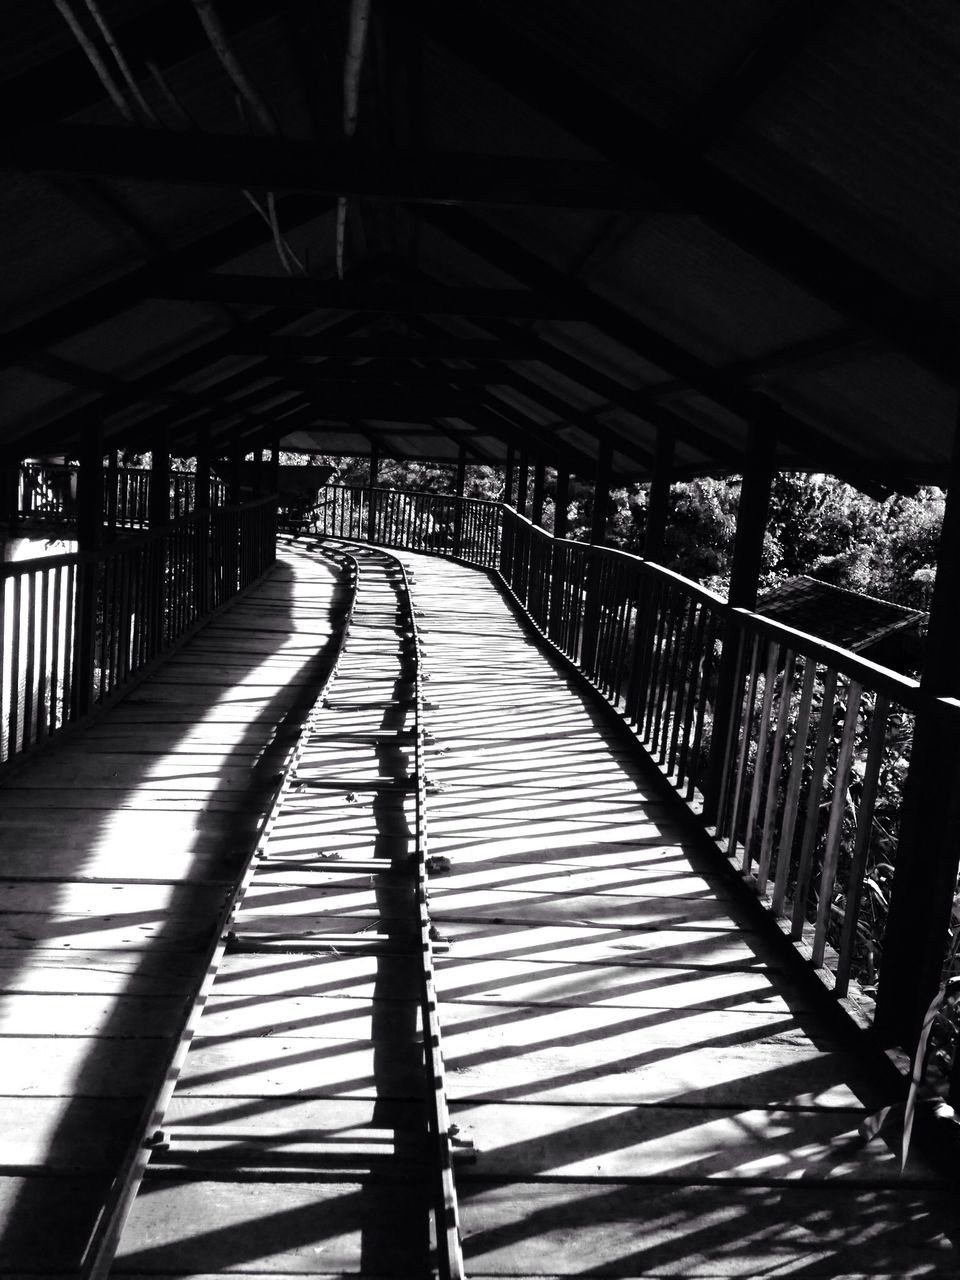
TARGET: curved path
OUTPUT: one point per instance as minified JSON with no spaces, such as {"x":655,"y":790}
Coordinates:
{"x":648,"y":1089}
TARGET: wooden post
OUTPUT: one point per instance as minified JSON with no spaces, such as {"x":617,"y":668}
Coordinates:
{"x":112,"y":494}
{"x":258,"y":472}
{"x":236,"y":457}
{"x":601,"y":494}
{"x":160,"y":482}
{"x":557,"y":583}
{"x":659,"y":503}
{"x":539,"y":477}
{"x":561,"y":502}
{"x":459,"y":485}
{"x":201,"y":504}
{"x":273,"y":467}
{"x":89,"y":539}
{"x":508,"y":476}
{"x":9,"y":491}
{"x":925,"y":875}
{"x":201,"y":492}
{"x":744,"y":586}
{"x":522,"y":471}
{"x":598,"y":536}
{"x":372,"y":500}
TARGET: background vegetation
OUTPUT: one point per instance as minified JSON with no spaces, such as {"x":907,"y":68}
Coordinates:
{"x":818,"y":525}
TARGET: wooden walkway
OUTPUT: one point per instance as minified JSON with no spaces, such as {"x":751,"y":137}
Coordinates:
{"x":119,"y":849}
{"x":648,"y":1090}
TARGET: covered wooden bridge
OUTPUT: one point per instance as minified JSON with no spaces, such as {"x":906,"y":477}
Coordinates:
{"x":426,"y":892}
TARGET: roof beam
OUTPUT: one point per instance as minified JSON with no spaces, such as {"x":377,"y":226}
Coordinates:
{"x":278,"y":164}
{"x":919,"y":327}
{"x":304,"y":294}
{"x":385,"y":346}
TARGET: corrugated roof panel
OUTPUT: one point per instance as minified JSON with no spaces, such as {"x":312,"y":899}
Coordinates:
{"x":140,"y":338}
{"x":656,"y":57}
{"x":464,"y":111}
{"x":881,"y":405}
{"x":704,"y":294}
{"x":868,"y":118}
{"x":53,"y":249}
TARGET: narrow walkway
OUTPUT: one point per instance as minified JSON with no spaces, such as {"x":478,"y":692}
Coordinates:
{"x":648,"y":1091}
{"x":119,"y":848}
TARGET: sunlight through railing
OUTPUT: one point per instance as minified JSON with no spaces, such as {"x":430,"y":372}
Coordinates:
{"x":793,"y":753}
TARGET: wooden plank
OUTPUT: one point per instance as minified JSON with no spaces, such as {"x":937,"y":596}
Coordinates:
{"x":80,"y":971}
{"x":80,"y":1064}
{"x":32,"y":1014}
{"x":620,"y":911}
{"x":280,"y":1066}
{"x":472,"y":1028}
{"x":703,"y":948}
{"x":530,"y":980}
{"x":677,"y":1144}
{"x":311,"y":1017}
{"x":57,"y":1134}
{"x":374,"y":1227}
{"x":251,"y":978}
{"x":624,"y":1230}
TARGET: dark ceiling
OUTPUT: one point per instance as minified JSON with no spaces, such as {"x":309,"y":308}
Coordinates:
{"x":563,"y":226}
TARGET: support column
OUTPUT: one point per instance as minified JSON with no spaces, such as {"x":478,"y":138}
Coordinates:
{"x":522,"y":472}
{"x":89,"y":539}
{"x":201,"y":492}
{"x":561,"y":502}
{"x":536,"y":507}
{"x":236,"y":457}
{"x":258,"y":472}
{"x":112,"y":494}
{"x":9,"y":494}
{"x":659,"y":503}
{"x":508,"y":476}
{"x":601,"y":494}
{"x":598,"y":535}
{"x":557,"y":563}
{"x":372,"y":498}
{"x":459,"y":486}
{"x":744,"y":586}
{"x":203,"y":567}
{"x":925,"y":877}
{"x":160,"y":481}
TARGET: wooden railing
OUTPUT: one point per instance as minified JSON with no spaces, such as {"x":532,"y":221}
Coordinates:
{"x":48,"y":495}
{"x":466,"y":528}
{"x":807,"y":766}
{"x":794,"y":754}
{"x":75,"y":628}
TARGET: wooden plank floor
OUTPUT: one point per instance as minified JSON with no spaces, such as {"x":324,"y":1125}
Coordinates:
{"x":118,"y":849}
{"x":649,"y":1091}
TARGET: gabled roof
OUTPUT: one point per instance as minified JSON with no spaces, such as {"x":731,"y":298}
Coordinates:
{"x":845,"y":618}
{"x":566,"y":223}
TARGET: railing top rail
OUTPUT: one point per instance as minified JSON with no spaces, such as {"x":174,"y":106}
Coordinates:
{"x":412,"y":493}
{"x":871,"y":674}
